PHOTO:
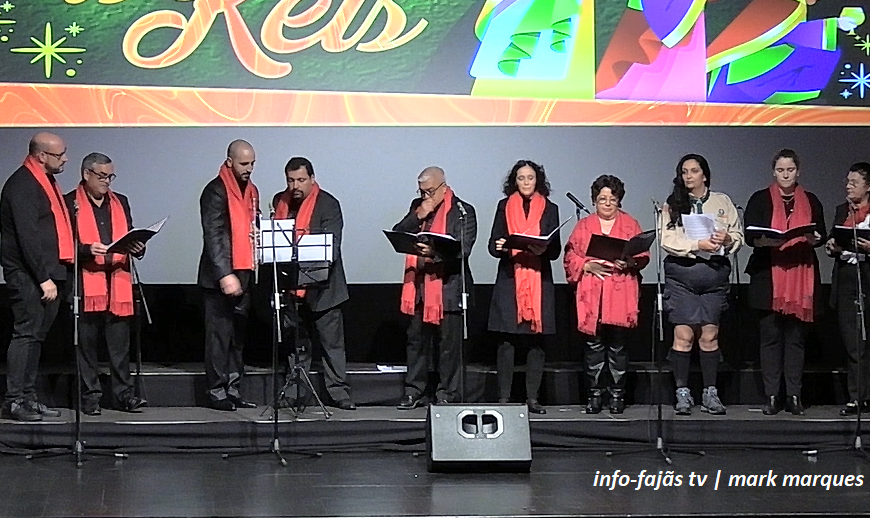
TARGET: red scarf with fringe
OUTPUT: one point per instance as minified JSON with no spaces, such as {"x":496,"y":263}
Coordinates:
{"x":792,"y":263}
{"x":62,"y":224}
{"x":243,"y":214}
{"x":527,"y":266}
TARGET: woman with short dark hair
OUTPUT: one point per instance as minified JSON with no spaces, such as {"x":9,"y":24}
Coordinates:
{"x":784,"y":285}
{"x":607,"y":294}
{"x":697,"y":275}
{"x":523,"y":308}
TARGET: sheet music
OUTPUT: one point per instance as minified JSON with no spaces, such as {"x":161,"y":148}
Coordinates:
{"x":277,"y":243}
{"x":698,"y":227}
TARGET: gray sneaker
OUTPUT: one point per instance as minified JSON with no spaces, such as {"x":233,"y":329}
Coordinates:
{"x":684,"y":402}
{"x":710,"y":402}
{"x":19,"y":411}
{"x":39,"y":408}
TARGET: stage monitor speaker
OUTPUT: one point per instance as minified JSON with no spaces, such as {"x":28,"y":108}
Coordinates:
{"x":478,"y":438}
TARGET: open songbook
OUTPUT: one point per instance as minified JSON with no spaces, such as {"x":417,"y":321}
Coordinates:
{"x":524,"y":241}
{"x":121,"y":245}
{"x":772,"y":233}
{"x":406,"y":242}
{"x":843,"y":236}
{"x":612,"y":248}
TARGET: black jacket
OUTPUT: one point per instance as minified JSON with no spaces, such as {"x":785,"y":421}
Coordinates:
{"x":327,"y":219}
{"x":105,"y":233}
{"x":216,"y":261}
{"x":503,"y":306}
{"x":844,"y":272}
{"x":452,"y":265}
{"x":759,"y":212}
{"x":28,"y":235}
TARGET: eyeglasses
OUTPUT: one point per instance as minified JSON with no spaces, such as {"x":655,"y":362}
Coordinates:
{"x":852,"y":183}
{"x":108,"y":178}
{"x":56,"y":155}
{"x":780,"y":170}
{"x":428,"y":193}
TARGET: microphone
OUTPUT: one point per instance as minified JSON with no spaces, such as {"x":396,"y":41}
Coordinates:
{"x":656,"y":205}
{"x":76,"y":206}
{"x":577,"y":202}
{"x":461,"y":208}
{"x":271,"y":210}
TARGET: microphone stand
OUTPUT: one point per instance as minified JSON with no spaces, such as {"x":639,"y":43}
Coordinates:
{"x":861,"y":341}
{"x":463,"y":302}
{"x":141,"y":307}
{"x":78,"y":448}
{"x":738,"y":309}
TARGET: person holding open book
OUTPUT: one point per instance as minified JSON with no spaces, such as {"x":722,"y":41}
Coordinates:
{"x":607,"y":292}
{"x":855,"y":213}
{"x":784,"y":285}
{"x":523,"y":306}
{"x":103,"y":216}
{"x":700,"y":228}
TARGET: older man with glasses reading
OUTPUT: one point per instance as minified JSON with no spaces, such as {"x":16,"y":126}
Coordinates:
{"x":103,"y":216}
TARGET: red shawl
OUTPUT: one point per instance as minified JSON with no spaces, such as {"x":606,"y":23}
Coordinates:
{"x":303,"y":216}
{"x":613,"y":300}
{"x":58,"y":208}
{"x":243,"y":214}
{"x":859,"y":217}
{"x":106,"y":281}
{"x":527,"y":266}
{"x":792,"y":263}
{"x":433,"y":276}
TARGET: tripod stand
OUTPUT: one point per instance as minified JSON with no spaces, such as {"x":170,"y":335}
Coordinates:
{"x":78,"y":447}
{"x":861,"y":342}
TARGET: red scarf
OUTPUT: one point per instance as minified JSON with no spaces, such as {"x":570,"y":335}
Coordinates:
{"x":62,"y":224}
{"x":243,"y":214}
{"x":106,"y":281}
{"x":527,"y":266}
{"x":433,"y":274}
{"x":859,"y":217}
{"x":303,"y":216}
{"x":792,"y":263}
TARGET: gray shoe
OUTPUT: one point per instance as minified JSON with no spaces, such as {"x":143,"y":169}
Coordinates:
{"x":684,"y":402}
{"x":35,"y":406}
{"x":19,"y":411}
{"x":710,"y":402}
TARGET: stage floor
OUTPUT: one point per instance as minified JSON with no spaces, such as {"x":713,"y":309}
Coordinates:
{"x":561,"y":483}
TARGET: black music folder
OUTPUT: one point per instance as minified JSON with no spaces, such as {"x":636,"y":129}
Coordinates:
{"x":137,"y":234}
{"x":406,"y":242}
{"x":772,"y":233}
{"x":613,"y":248}
{"x":843,"y":236}
{"x":524,"y":241}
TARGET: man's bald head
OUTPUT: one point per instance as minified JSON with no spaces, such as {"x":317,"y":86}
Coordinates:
{"x":238,"y":146}
{"x":44,"y":141}
{"x":431,"y":173}
{"x":240,"y":159}
{"x":49,"y":150}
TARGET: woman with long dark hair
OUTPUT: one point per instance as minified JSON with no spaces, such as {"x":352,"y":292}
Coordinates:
{"x":784,"y":285}
{"x":607,"y":294}
{"x":523,"y":308}
{"x":697,"y":273}
{"x":844,"y":288}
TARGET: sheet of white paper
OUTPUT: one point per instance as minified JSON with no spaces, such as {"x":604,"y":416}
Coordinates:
{"x":276,"y":238}
{"x":700,"y":226}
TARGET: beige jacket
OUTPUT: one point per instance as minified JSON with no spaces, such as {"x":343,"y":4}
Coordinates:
{"x":718,"y":205}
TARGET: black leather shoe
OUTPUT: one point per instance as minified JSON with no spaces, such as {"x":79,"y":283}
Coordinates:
{"x":793,"y":405}
{"x":19,"y":411}
{"x":222,"y":404}
{"x":535,"y":407}
{"x":240,"y":402}
{"x":92,"y":409}
{"x":593,"y":406}
{"x":617,"y":404}
{"x":409,"y":402}
{"x":345,"y":404}
{"x":771,"y":406}
{"x":133,"y":403}
{"x":851,"y":408}
{"x":41,"y":409}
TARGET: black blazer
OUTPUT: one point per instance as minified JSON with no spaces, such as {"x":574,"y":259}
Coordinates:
{"x":844,"y":272}
{"x":28,"y":235}
{"x":503,"y":305}
{"x":326,"y":219}
{"x":452,"y":265}
{"x":759,"y":212}
{"x":216,"y":260}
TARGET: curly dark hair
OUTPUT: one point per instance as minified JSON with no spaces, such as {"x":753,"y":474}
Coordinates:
{"x":786,"y":153}
{"x":542,"y":185}
{"x":678,"y":201}
{"x":862,"y":168}
{"x":617,"y":188}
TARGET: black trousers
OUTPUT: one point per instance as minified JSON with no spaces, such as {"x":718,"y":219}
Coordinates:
{"x":847,"y":318}
{"x":327,"y":329}
{"x":423,"y":340}
{"x":782,"y":339}
{"x":32,"y":320}
{"x":534,"y":363}
{"x":606,"y":351}
{"x":96,"y":329}
{"x":226,"y":328}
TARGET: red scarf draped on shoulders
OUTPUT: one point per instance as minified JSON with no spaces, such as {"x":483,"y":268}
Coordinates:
{"x":62,"y":223}
{"x":859,"y":217}
{"x":303,"y":216}
{"x":614,"y":300}
{"x":792,"y":264}
{"x":433,"y":273}
{"x":527,"y":266}
{"x":106,"y":281}
{"x":243,"y":210}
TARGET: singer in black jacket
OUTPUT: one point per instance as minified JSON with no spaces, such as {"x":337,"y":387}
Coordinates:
{"x":436,"y":210}
{"x":844,"y":286}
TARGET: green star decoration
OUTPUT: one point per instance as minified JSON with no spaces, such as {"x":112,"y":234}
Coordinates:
{"x":48,"y":50}
{"x":7,"y":6}
{"x":864,"y":44}
{"x":74,"y":29}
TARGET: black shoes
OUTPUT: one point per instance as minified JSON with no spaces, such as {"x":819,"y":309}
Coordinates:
{"x":345,"y":404}
{"x":594,"y":403}
{"x":35,"y":406}
{"x":18,"y":410}
{"x":771,"y":406}
{"x":617,"y":404}
{"x":851,"y":408}
{"x":793,"y":405}
{"x":240,"y":402}
{"x":535,"y":407}
{"x":409,"y":402}
{"x":91,"y":408}
{"x":133,"y":403}
{"x":222,"y":404}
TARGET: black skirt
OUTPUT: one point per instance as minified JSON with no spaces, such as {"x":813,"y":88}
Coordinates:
{"x":696,"y":291}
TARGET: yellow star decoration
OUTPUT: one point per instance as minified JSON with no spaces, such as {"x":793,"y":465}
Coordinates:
{"x":864,"y":44}
{"x":48,"y":50}
{"x":7,"y":6}
{"x":74,"y":29}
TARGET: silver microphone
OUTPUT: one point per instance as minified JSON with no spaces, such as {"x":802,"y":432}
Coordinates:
{"x":656,"y":205}
{"x":461,"y":208}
